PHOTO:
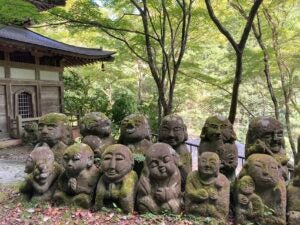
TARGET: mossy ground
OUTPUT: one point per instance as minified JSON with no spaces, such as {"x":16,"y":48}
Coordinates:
{"x":14,"y":209}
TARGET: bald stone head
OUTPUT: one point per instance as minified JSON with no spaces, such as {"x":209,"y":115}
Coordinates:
{"x":172,"y":130}
{"x":117,"y":161}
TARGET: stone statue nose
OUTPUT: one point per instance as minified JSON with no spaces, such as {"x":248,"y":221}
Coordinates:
{"x":112,"y":163}
{"x":45,"y":129}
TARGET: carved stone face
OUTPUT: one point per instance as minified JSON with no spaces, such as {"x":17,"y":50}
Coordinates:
{"x":246,"y":185}
{"x":208,"y":164}
{"x":117,"y":161}
{"x":76,"y":158}
{"x":51,"y":128}
{"x":161,"y":161}
{"x":41,"y":163}
{"x":95,"y":123}
{"x":263,"y":169}
{"x":134,"y":128}
{"x":269,"y":131}
{"x":172,"y":130}
{"x":218,"y":128}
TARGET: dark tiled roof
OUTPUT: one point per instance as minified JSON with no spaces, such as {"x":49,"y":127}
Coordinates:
{"x":28,"y":37}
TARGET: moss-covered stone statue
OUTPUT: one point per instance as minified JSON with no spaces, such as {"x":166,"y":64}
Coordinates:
{"x":135,"y":133}
{"x":265,"y":135}
{"x":173,"y":131}
{"x":95,"y":126}
{"x":269,"y":186}
{"x":43,"y":173}
{"x":207,"y":190}
{"x":30,"y":134}
{"x":218,"y":136}
{"x":159,"y":187}
{"x":77,"y":184}
{"x":118,"y":182}
{"x":293,"y":199}
{"x":249,"y":205}
{"x":53,"y":130}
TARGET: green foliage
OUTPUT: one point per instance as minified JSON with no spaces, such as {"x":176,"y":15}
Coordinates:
{"x":16,"y":12}
{"x":124,"y":105}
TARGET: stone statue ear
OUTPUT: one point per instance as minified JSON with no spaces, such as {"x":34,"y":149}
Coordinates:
{"x":203,"y":133}
{"x":177,"y":159}
{"x":90,"y":161}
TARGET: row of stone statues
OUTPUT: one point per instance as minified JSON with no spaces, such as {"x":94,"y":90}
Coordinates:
{"x":98,"y":172}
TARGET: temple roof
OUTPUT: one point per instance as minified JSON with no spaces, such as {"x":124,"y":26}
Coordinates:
{"x":72,"y":55}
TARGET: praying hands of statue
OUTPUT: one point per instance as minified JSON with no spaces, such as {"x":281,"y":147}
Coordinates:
{"x":72,"y":184}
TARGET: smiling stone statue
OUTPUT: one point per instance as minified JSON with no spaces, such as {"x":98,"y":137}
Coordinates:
{"x":43,"y":173}
{"x":264,"y":170}
{"x":53,"y":130}
{"x":95,"y":129}
{"x":117,"y":185}
{"x":265,"y":135}
{"x":207,"y":190}
{"x":173,"y":131}
{"x":159,"y":187}
{"x":218,"y":136}
{"x":77,"y":183}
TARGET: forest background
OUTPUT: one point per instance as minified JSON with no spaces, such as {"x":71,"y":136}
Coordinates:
{"x":270,"y":82}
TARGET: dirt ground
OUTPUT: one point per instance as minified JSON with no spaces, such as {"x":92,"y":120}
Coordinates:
{"x":17,"y":153}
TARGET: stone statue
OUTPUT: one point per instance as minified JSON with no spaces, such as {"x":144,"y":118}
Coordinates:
{"x":118,"y":181}
{"x":30,"y":134}
{"x":95,"y":143}
{"x":218,"y":136}
{"x":207,"y":190}
{"x":249,"y":205}
{"x":159,"y":187}
{"x":135,"y":133}
{"x":43,"y":173}
{"x":53,"y":130}
{"x":293,"y":199}
{"x":173,"y":132}
{"x":98,"y":125}
{"x":265,"y":135}
{"x":269,"y":187}
{"x":77,"y":184}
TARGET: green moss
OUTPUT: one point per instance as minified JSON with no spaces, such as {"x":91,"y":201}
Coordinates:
{"x":53,"y":118}
{"x":139,"y":157}
{"x":129,"y":184}
{"x":78,"y":148}
{"x":90,"y":118}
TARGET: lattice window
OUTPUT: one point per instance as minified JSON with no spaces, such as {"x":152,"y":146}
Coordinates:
{"x":1,"y":55}
{"x":25,"y":105}
{"x":50,"y":61}
{"x":24,"y":57}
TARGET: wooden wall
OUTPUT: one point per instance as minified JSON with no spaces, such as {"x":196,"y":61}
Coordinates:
{"x":50,"y":99}
{"x":3,"y":122}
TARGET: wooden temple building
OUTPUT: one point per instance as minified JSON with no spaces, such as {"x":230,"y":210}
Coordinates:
{"x":31,"y":70}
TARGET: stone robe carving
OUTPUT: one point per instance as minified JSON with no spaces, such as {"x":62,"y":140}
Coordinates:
{"x":265,"y":135}
{"x":159,"y":187}
{"x":207,"y":190}
{"x":218,"y":136}
{"x":95,"y":126}
{"x":77,"y":184}
{"x":174,"y":132}
{"x":43,"y":173}
{"x":118,"y":181}
{"x":293,"y":198}
{"x":269,"y":187}
{"x":53,"y":130}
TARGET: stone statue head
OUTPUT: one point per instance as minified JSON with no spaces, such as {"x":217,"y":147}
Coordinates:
{"x":95,"y":123}
{"x":208,"y":164}
{"x":161,"y":161}
{"x":246,"y":185}
{"x":134,"y":128}
{"x":52,"y":128}
{"x":172,"y":130}
{"x":77,"y":158}
{"x":268,"y":130}
{"x":40,"y":163}
{"x":263,"y":169}
{"x":117,"y":161}
{"x":218,"y":128}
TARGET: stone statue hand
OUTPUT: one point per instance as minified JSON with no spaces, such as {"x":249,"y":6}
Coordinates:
{"x":213,"y":195}
{"x":72,"y":184}
{"x":202,"y":194}
{"x":243,"y":200}
{"x":160,"y":194}
{"x":260,"y":146}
